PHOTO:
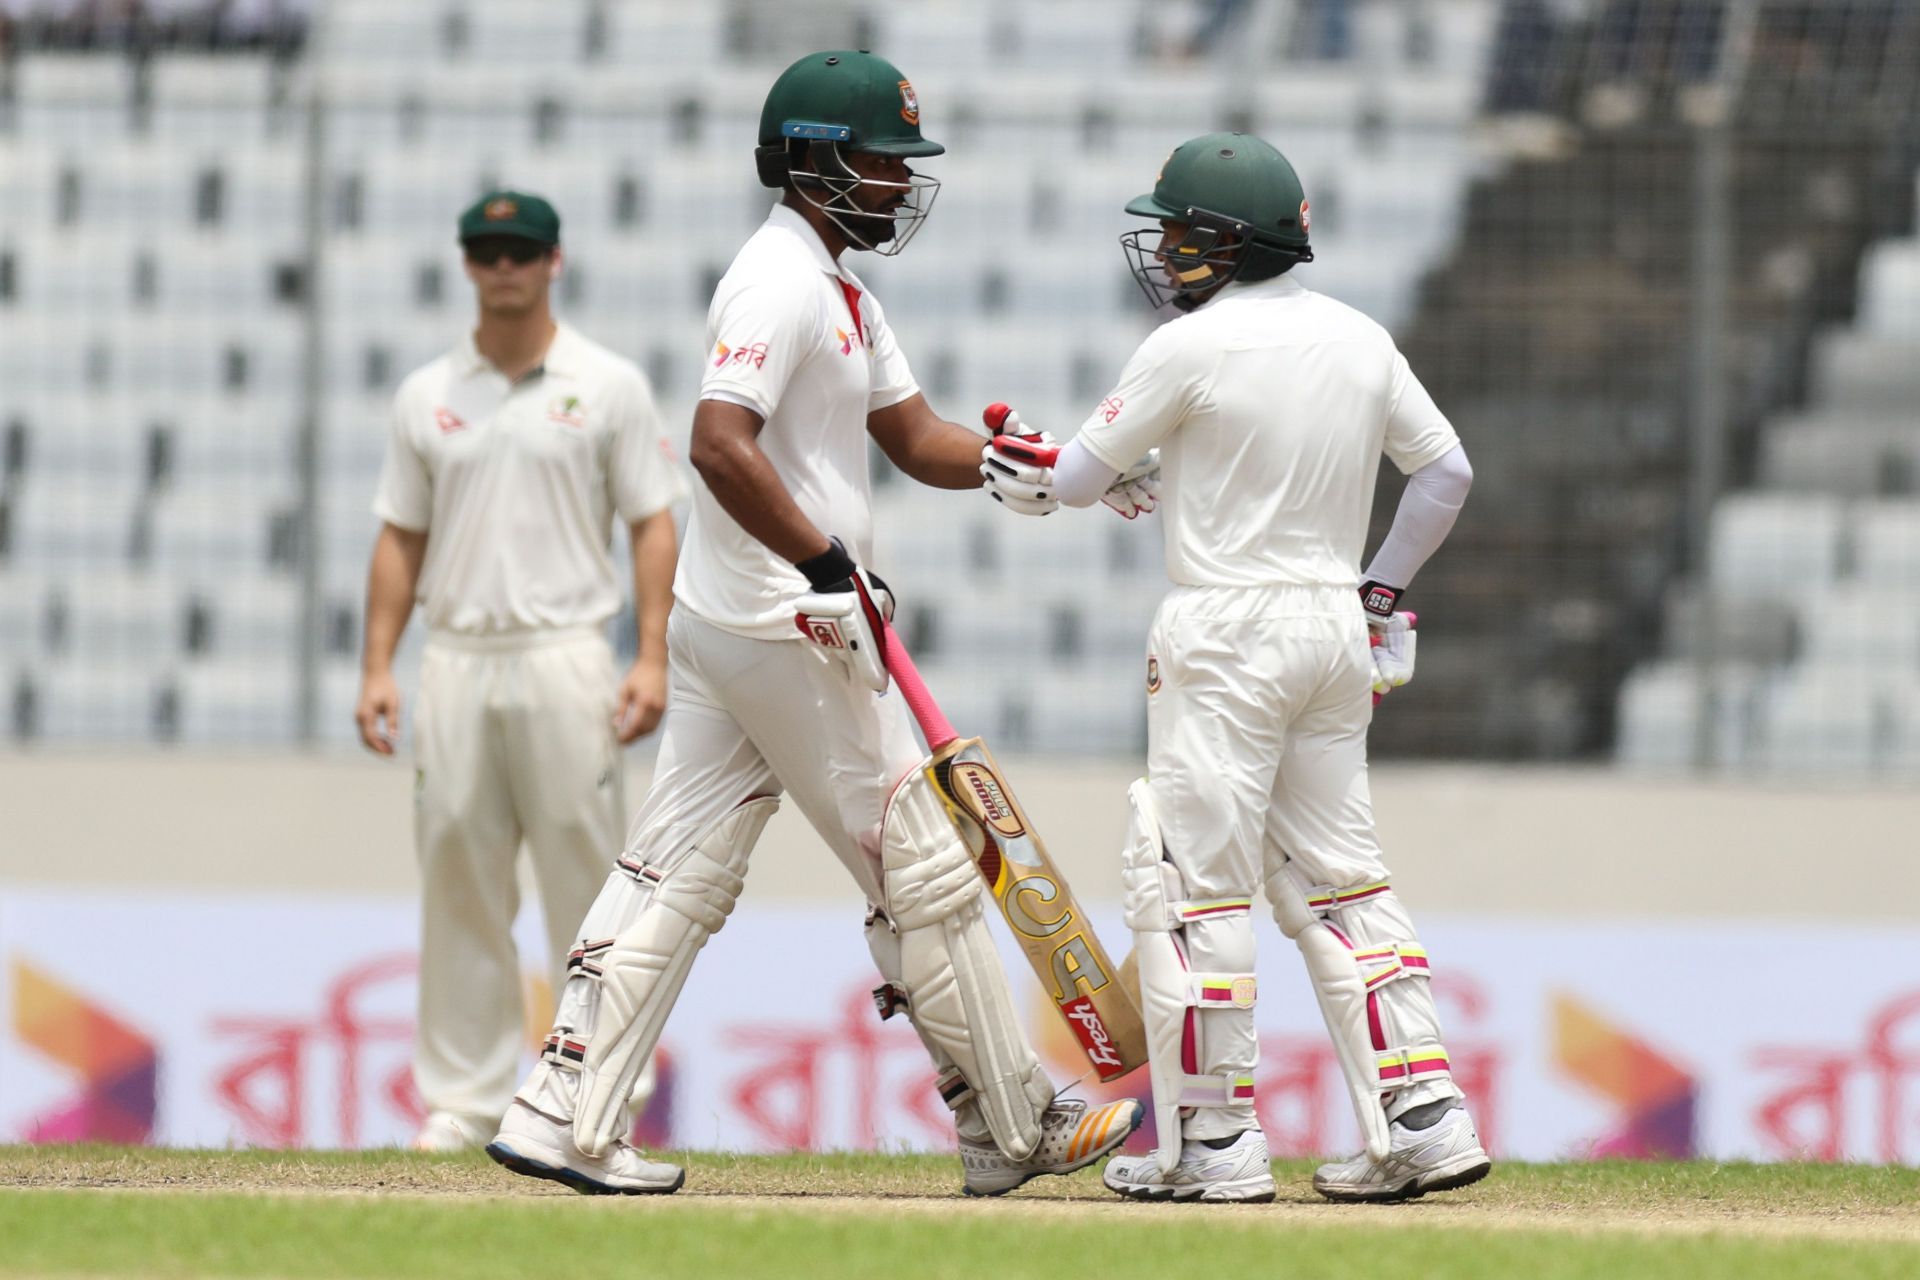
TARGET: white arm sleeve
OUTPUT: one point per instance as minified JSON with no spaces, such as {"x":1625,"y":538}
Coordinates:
{"x":1427,"y":511}
{"x":1079,"y":478}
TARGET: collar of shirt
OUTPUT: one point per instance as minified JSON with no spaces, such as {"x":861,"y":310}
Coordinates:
{"x":1278,"y":286}
{"x":790,"y":221}
{"x":559,"y":360}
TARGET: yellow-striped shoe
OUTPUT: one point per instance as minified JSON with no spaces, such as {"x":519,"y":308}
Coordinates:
{"x":1072,"y":1136}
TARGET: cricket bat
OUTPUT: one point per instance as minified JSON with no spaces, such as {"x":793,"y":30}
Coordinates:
{"x":1085,"y":985}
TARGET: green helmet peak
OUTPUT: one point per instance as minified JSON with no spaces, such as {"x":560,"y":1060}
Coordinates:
{"x":1246,"y":214}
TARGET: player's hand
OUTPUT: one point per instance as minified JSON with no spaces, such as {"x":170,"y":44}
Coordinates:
{"x":1390,"y":636}
{"x":1137,"y":491}
{"x":1016,"y":466}
{"x":642,"y":699}
{"x":378,"y":712}
{"x":846,"y":613}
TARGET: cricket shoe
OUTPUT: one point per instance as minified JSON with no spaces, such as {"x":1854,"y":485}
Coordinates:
{"x":1438,"y":1156}
{"x":537,"y":1146}
{"x":1238,"y":1173}
{"x":1072,"y":1136}
{"x":445,"y":1132}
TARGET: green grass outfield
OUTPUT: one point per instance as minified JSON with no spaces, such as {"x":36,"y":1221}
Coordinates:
{"x":94,"y":1211}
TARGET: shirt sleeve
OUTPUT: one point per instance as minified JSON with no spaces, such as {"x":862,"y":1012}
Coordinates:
{"x":1153,"y":397}
{"x":643,"y":476}
{"x":758,"y":334}
{"x":405,"y":496}
{"x":1417,"y":432}
{"x":893,"y":381}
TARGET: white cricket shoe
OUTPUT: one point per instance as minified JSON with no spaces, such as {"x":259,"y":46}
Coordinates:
{"x":445,"y":1132}
{"x":1445,"y":1155}
{"x":1236,"y":1174}
{"x":1071,"y":1137}
{"x":532,"y":1144}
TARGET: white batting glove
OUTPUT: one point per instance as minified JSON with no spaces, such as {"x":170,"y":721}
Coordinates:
{"x":846,"y":613}
{"x":1392,"y":641}
{"x":1137,"y":491}
{"x":1016,"y":465}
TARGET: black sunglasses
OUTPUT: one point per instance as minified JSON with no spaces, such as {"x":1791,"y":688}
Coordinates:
{"x":484,"y":251}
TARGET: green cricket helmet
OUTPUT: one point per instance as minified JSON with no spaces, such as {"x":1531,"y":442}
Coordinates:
{"x":1244,"y":210}
{"x":835,"y":102}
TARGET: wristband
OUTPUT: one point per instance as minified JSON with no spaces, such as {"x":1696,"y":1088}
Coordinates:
{"x":1379,"y":600}
{"x":830,"y":568}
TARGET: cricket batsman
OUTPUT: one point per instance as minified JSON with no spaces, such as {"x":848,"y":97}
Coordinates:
{"x":777,"y":677}
{"x":1269,"y":406}
{"x":508,"y":460}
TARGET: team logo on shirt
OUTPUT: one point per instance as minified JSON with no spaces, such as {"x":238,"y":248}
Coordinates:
{"x":448,"y":421}
{"x":567,"y":411}
{"x":1153,"y":674}
{"x":754,"y":353}
{"x":846,"y":341}
{"x":1110,"y":408}
{"x":909,"y":104}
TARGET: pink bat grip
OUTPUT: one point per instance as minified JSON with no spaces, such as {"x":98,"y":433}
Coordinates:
{"x":933,"y":725}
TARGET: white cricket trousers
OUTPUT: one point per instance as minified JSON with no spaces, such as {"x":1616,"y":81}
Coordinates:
{"x":513,"y":740}
{"x":1258,"y":705}
{"x":758,"y":717}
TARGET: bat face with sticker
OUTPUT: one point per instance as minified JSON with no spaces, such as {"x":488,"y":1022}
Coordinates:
{"x":1054,"y":932}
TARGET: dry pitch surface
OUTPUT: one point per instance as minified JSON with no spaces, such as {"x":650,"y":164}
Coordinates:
{"x":117,"y":1212}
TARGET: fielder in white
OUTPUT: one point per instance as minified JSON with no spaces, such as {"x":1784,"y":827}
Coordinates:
{"x":1266,"y":408}
{"x":802,"y":371}
{"x":508,"y":460}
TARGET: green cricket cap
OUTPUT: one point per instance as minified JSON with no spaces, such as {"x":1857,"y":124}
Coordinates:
{"x":511,"y":213}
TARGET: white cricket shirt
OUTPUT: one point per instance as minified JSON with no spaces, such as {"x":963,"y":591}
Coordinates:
{"x":1271,"y":406}
{"x":516,"y":484}
{"x":796,"y":338}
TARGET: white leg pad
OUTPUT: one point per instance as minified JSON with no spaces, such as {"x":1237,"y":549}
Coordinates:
{"x":637,"y":947}
{"x":1384,"y":1045}
{"x":956,"y":990}
{"x":1174,"y":995}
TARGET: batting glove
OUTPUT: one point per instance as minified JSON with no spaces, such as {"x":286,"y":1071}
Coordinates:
{"x":1391,"y":638}
{"x":1137,"y":491}
{"x":846,"y":613}
{"x":1016,"y":466}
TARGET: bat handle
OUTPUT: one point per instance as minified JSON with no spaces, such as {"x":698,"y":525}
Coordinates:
{"x":933,"y":725}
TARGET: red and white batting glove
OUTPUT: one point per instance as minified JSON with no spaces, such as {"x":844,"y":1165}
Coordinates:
{"x":1016,"y":465}
{"x":846,"y":613}
{"x":1390,"y":636}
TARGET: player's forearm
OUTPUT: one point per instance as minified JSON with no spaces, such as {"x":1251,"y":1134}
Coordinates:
{"x":654,"y":546}
{"x":1428,"y":508}
{"x":391,"y":580}
{"x":938,"y":453}
{"x":1079,"y":478}
{"x":946,"y":457}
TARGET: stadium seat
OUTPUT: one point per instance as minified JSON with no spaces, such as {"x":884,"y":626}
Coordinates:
{"x":1825,"y":720}
{"x":1890,"y":290}
{"x":111,"y":703}
{"x":1855,"y":370}
{"x":72,"y":99}
{"x":225,"y":702}
{"x":1773,"y":545}
{"x":1852,"y":455}
{"x":1871,"y":624}
{"x":212,"y":97}
{"x":1887,"y":545}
